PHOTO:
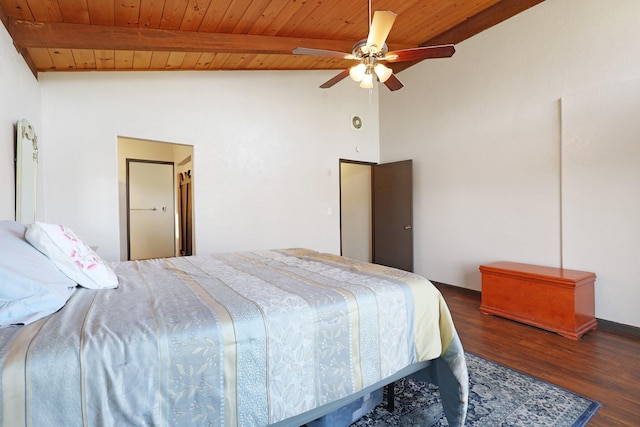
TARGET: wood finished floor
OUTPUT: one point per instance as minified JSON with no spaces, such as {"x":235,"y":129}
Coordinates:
{"x":604,"y":365}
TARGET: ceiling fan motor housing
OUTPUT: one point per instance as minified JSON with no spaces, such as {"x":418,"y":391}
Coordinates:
{"x":360,"y":50}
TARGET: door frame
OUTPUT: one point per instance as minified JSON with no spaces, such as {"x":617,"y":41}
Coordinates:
{"x":408,"y":227}
{"x":127,"y":198}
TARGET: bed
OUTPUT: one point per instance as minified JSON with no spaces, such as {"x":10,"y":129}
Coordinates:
{"x":271,"y":337}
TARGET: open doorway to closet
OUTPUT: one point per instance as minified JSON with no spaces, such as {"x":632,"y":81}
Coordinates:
{"x":155,"y":188}
{"x":376,"y":212}
{"x":356,"y":240}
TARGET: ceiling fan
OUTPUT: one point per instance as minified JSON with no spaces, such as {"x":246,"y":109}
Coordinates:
{"x":372,"y":52}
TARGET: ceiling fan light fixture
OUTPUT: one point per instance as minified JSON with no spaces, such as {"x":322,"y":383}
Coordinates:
{"x":357,"y":72}
{"x":370,"y":51}
{"x":383,"y":72}
{"x":367,"y":81}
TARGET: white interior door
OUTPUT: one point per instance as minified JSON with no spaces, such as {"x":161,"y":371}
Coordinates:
{"x":151,"y":198}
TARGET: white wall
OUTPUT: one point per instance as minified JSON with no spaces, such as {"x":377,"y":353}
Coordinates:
{"x":484,"y":130}
{"x":19,"y":99}
{"x":266,"y":151}
{"x":601,"y":189}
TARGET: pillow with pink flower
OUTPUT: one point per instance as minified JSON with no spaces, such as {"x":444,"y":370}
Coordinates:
{"x":71,"y":255}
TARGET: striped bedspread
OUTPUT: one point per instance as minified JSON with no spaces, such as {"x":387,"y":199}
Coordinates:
{"x":245,"y":339}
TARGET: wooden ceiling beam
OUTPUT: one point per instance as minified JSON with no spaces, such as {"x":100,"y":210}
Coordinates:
{"x":28,"y":34}
{"x":475,"y":24}
{"x":9,"y":23}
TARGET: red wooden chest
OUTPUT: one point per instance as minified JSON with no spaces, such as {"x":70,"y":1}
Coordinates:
{"x":556,"y":299}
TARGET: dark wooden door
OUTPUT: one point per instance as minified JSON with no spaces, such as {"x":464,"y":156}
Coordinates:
{"x":393,"y":214}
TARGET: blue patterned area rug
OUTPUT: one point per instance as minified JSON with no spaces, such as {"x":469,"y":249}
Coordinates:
{"x":498,"y":396}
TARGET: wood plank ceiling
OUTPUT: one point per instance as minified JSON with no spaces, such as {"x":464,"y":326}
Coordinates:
{"x":125,"y":35}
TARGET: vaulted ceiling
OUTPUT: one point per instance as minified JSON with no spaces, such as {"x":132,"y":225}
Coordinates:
{"x":125,"y":35}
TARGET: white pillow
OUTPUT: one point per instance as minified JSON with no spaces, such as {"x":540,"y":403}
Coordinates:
{"x":71,"y":255}
{"x":31,"y":287}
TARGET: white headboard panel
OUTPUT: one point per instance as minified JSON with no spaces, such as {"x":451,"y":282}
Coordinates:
{"x":26,"y":172}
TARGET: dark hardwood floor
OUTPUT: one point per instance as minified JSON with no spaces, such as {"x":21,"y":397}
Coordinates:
{"x":604,"y":365}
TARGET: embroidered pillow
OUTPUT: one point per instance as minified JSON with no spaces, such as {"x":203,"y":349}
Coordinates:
{"x":71,"y":255}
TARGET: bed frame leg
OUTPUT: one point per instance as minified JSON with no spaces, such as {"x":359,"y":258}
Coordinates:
{"x":391,"y":396}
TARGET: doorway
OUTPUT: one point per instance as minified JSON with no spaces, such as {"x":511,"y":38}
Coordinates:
{"x":356,"y":228}
{"x":183,"y":179}
{"x":376,"y":212}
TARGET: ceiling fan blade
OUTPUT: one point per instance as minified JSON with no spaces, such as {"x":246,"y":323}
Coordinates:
{"x":322,"y":52}
{"x":393,"y":83}
{"x":420,"y":53}
{"x":380,"y":27}
{"x":335,"y":80}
